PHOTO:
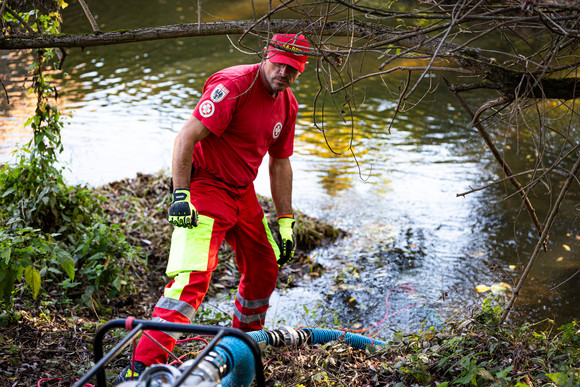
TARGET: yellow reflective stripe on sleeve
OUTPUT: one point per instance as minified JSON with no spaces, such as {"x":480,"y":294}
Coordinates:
{"x":190,"y":247}
{"x":271,"y":238}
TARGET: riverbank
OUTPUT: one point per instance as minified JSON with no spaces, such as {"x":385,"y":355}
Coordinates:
{"x":50,"y":344}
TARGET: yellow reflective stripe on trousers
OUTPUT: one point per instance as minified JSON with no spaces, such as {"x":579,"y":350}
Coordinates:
{"x":190,"y":247}
{"x":271,"y":238}
{"x":180,"y":282}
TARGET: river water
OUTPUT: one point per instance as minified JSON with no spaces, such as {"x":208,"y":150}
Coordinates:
{"x":415,"y":250}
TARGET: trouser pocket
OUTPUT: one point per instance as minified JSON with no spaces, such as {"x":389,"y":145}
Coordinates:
{"x":190,"y":248}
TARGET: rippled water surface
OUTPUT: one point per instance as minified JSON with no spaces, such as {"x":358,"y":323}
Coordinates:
{"x":413,"y":243}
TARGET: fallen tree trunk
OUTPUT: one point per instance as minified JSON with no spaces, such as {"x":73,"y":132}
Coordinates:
{"x":505,"y":80}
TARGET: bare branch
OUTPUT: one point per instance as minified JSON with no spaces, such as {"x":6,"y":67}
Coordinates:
{"x":89,"y":16}
{"x":542,"y":240}
{"x":21,"y":20}
{"x":506,"y":168}
{"x":466,"y":58}
{"x":504,"y":99}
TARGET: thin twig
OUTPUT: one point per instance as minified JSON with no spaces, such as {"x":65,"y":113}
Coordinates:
{"x":504,"y":99}
{"x":506,"y":168}
{"x":21,"y":20}
{"x":89,"y":16}
{"x":566,"y":280}
{"x":542,"y":240}
{"x":496,"y":182}
{"x":546,"y":171}
{"x":401,"y":97}
{"x":402,"y":68}
{"x":199,"y":16}
{"x":5,"y":92}
{"x":2,"y":9}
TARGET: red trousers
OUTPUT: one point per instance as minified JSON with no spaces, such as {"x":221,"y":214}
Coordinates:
{"x":229,"y":213}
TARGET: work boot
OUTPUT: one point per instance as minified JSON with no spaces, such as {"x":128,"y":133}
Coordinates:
{"x":130,"y":373}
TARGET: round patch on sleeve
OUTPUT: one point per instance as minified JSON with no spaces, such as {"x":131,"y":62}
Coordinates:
{"x":207,"y":108}
{"x":277,"y":129}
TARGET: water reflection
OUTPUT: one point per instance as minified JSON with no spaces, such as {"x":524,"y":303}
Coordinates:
{"x":394,"y":192}
{"x":15,"y":104}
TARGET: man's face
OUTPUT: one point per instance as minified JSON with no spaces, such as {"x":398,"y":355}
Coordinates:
{"x":277,"y":76}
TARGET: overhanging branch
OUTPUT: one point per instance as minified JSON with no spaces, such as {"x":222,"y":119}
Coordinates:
{"x":25,"y":41}
{"x":378,"y":35}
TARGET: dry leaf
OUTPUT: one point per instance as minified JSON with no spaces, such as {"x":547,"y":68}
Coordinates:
{"x":482,"y":288}
{"x":507,"y":286}
{"x":497,"y":289}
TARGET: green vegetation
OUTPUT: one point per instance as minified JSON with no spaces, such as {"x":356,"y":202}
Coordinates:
{"x":479,"y":352}
{"x":54,"y":235}
{"x":474,"y":351}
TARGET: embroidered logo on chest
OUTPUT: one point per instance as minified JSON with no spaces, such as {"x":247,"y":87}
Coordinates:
{"x":277,"y":129}
{"x":206,"y":109}
{"x":219,"y":93}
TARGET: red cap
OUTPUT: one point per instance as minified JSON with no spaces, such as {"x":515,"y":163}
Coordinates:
{"x":296,"y":43}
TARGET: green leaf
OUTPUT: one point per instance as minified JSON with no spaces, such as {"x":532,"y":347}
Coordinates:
{"x":502,"y":374}
{"x":467,"y":379}
{"x":560,"y":378}
{"x":8,"y":191}
{"x":67,"y":263}
{"x":32,"y":278}
{"x":117,"y":283}
{"x":5,"y":255}
{"x":53,"y":271}
{"x":7,"y":285}
{"x":485,"y":374}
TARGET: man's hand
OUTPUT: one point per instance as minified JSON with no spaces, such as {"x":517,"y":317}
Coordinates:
{"x":287,"y":239}
{"x":182,"y":213}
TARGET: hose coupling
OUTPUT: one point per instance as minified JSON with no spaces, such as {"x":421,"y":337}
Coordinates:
{"x":160,"y":375}
{"x":286,"y":336}
{"x":212,"y":368}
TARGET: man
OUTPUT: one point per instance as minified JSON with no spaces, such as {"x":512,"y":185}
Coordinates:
{"x":245,"y":112}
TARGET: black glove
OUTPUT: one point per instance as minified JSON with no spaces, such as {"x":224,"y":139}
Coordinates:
{"x":287,"y":240}
{"x":182,"y":213}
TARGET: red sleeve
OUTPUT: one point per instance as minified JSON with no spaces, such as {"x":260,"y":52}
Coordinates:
{"x":283,"y":147}
{"x":217,"y":104}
